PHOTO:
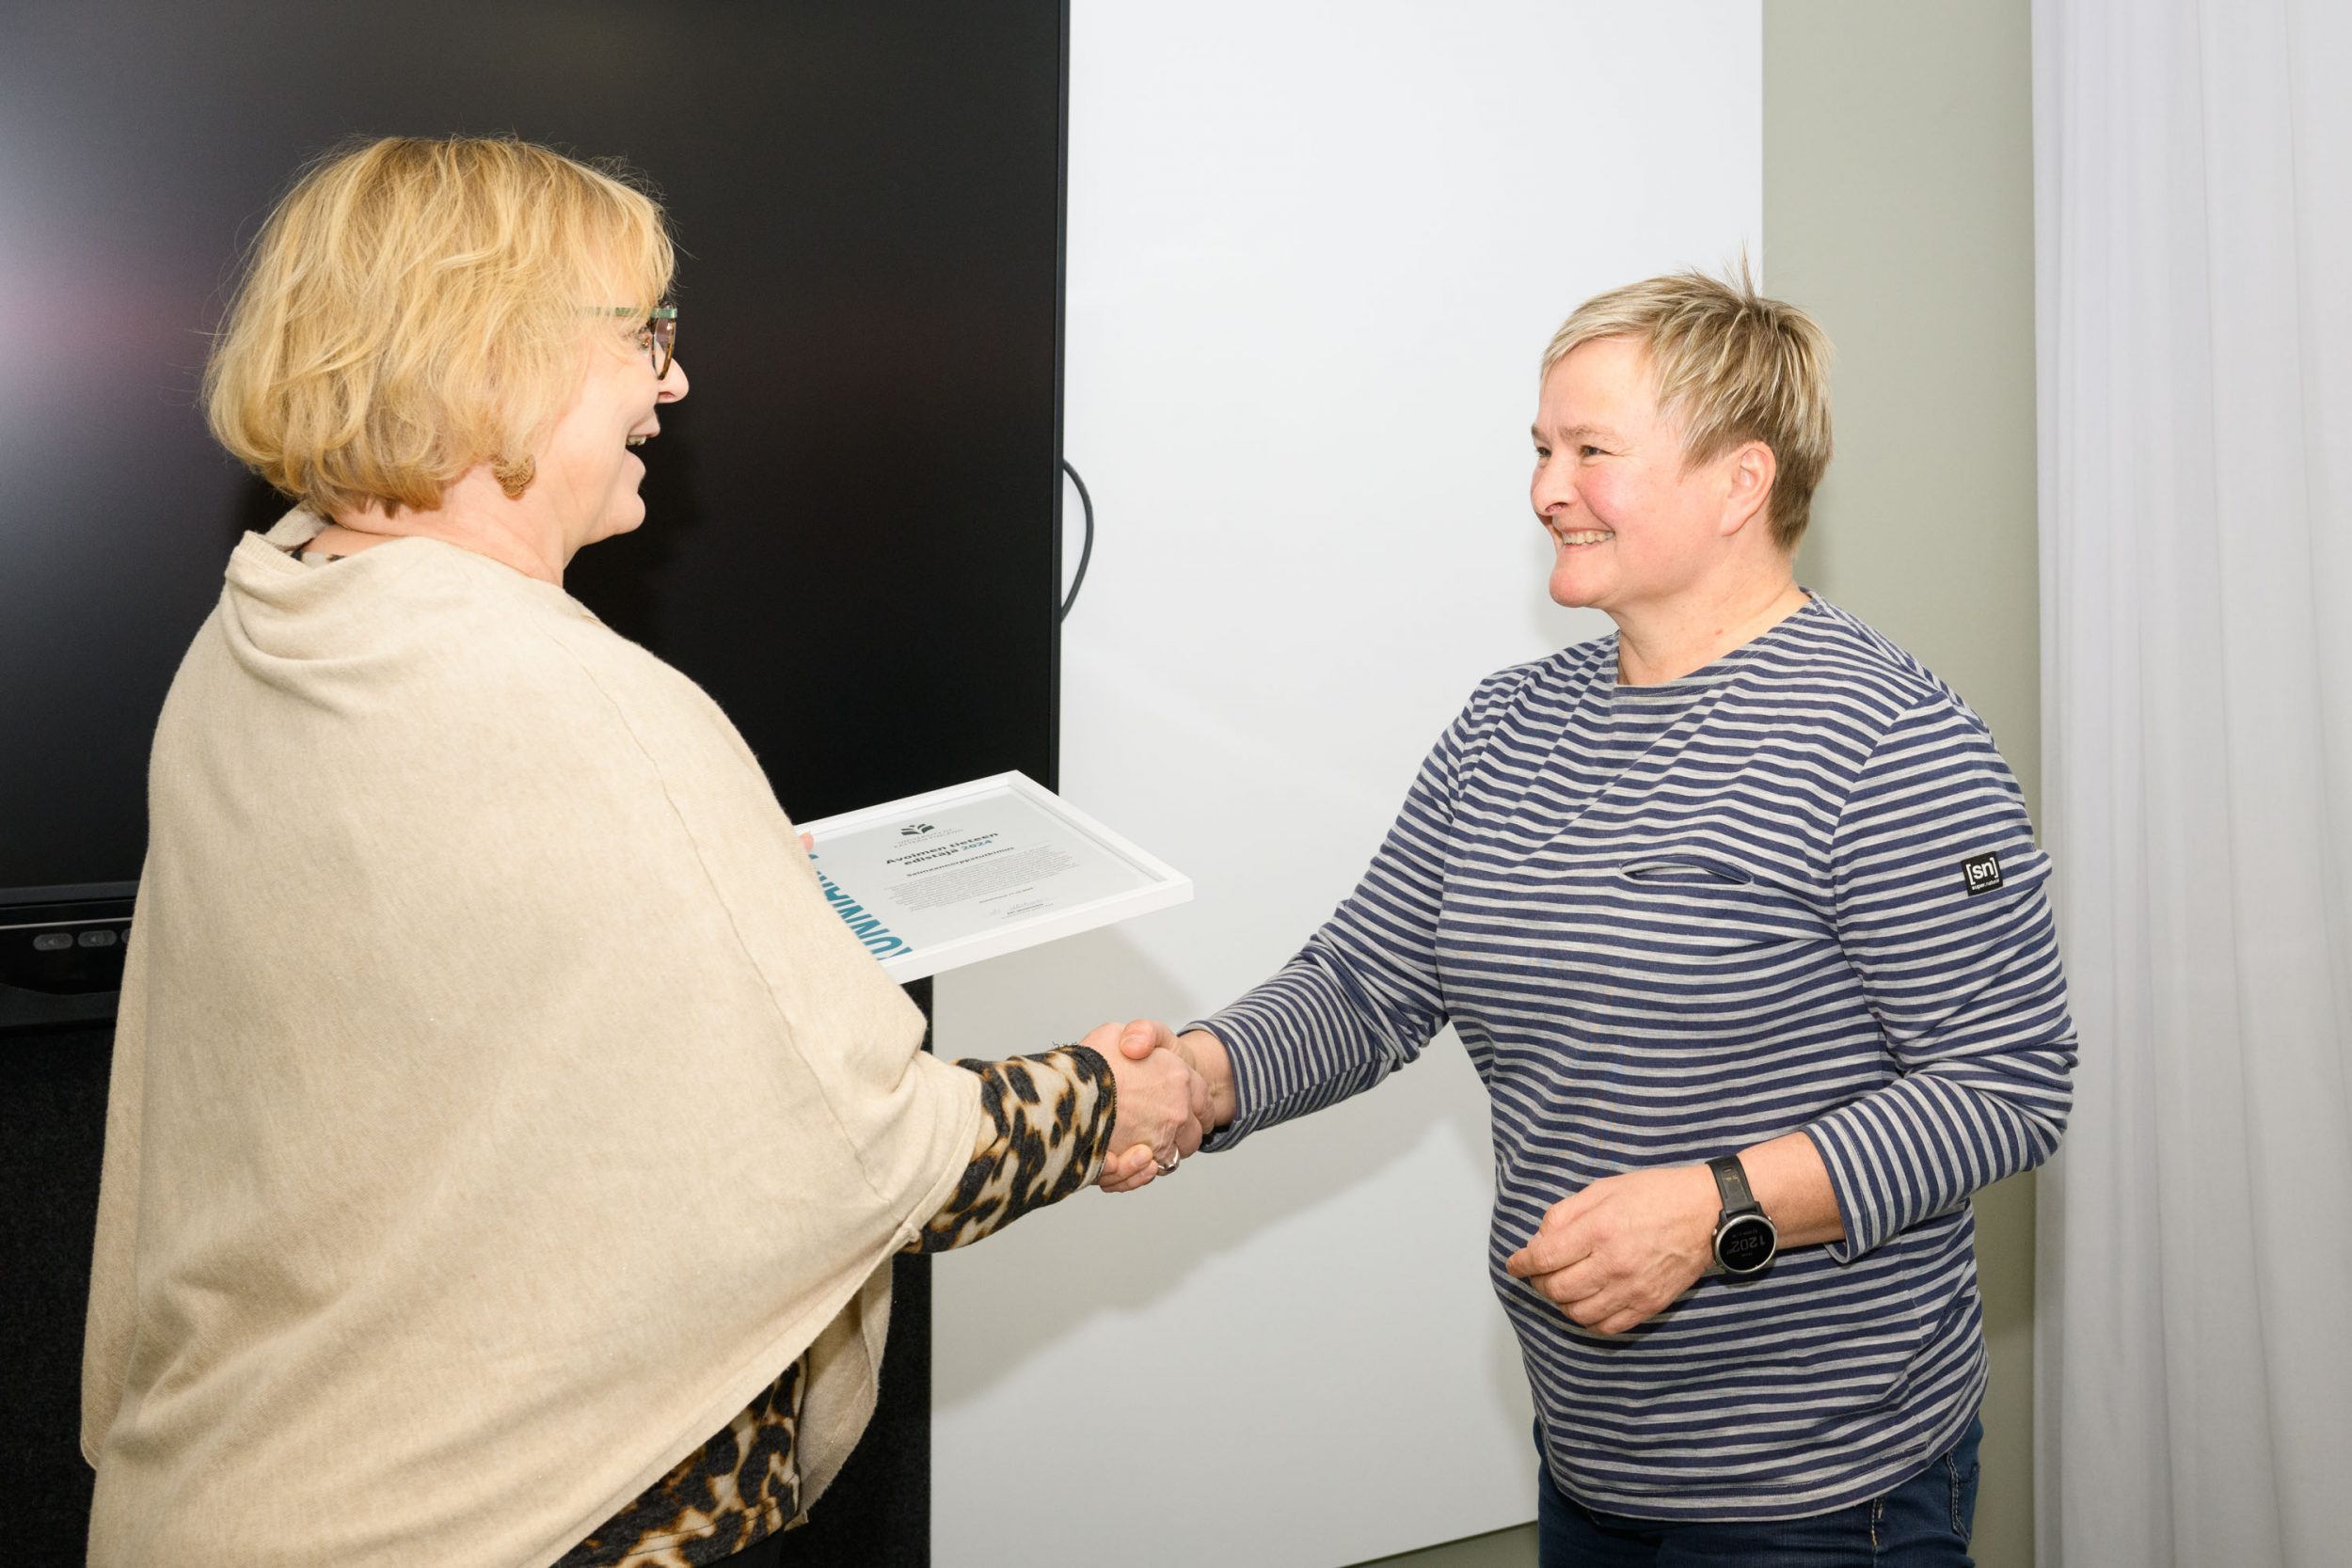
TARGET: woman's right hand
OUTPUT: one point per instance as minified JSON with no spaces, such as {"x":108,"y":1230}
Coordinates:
{"x":1202,"y":1052}
{"x":1162,"y":1103}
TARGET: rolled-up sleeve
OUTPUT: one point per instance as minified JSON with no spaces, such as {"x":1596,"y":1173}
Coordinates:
{"x":1941,"y":909}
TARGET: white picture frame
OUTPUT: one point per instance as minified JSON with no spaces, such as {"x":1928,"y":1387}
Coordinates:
{"x":952,"y":876}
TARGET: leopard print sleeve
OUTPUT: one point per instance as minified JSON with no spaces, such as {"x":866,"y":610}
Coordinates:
{"x":1047,"y":1120}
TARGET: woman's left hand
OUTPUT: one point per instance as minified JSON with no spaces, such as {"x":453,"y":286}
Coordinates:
{"x":1621,"y":1251}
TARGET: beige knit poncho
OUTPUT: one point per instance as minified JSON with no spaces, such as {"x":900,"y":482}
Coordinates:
{"x":497,"y":1105}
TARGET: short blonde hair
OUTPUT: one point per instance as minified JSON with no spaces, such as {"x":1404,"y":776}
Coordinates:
{"x":1730,"y":367}
{"x":414,"y":307}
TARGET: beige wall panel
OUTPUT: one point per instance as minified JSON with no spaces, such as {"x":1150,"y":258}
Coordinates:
{"x":1899,"y":208}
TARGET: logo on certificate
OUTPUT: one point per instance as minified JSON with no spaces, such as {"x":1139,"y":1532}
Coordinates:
{"x":916,"y":829}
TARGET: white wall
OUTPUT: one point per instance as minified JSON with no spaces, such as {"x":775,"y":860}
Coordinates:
{"x":1315,"y":253}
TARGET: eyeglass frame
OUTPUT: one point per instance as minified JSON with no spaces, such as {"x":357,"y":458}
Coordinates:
{"x":662,"y":330}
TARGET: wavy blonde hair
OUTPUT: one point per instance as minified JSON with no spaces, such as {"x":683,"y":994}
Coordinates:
{"x":1730,"y":366}
{"x":417,"y":306}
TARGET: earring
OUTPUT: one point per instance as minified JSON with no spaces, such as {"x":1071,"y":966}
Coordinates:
{"x":515,"y":474}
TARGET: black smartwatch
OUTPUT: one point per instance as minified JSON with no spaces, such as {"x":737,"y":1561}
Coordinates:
{"x":1745,"y":1240}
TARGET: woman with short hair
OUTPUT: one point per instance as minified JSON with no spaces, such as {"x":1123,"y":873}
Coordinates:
{"x":507,"y":1146}
{"x":1740,"y":918}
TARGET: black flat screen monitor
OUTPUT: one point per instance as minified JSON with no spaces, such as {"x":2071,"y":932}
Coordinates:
{"x":853,"y":533}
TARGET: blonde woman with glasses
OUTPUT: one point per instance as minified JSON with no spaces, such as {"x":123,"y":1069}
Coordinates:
{"x":1739,"y":913}
{"x":507,"y":1146}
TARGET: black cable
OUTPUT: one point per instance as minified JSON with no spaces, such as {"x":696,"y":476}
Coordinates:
{"x":1086,"y":552}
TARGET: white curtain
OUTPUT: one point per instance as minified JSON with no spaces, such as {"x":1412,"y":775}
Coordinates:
{"x":2194,"y":191}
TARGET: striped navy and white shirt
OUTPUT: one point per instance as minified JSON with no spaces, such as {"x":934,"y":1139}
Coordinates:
{"x":1794,"y":890}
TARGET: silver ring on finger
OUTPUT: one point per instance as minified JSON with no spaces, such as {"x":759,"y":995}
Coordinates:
{"x":1168,"y":1168}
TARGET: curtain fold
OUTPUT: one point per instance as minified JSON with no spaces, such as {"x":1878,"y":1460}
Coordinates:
{"x":2193,"y":173}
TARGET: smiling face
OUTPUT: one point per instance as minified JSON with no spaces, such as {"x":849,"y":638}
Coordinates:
{"x":1631,"y":527}
{"x":589,"y":470}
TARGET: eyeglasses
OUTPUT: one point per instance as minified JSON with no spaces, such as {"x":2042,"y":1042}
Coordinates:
{"x":660,"y":334}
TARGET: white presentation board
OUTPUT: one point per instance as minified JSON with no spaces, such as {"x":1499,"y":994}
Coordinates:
{"x":1316,"y":252}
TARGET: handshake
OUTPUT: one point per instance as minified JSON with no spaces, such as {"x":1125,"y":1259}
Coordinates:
{"x":1174,"y":1090}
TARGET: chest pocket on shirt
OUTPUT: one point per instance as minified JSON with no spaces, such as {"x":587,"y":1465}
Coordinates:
{"x":1680,"y":868}
{"x":1674,"y":925}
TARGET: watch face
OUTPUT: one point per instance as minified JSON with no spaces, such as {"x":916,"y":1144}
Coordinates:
{"x":1745,"y":1243}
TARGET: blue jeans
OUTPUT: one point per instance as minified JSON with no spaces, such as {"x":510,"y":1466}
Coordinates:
{"x":1923,"y":1522}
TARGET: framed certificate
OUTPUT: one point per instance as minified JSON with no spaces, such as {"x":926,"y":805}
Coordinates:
{"x":938,"y":880}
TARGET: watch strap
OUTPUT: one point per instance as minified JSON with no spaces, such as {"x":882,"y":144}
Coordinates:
{"x":1731,"y":1184}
